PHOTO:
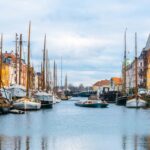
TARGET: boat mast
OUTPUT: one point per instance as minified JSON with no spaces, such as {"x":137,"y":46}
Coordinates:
{"x":61,"y":73}
{"x":44,"y":62}
{"x":66,"y":83}
{"x":50,"y":76}
{"x":20,"y":64}
{"x":28,"y":67}
{"x":16,"y":57}
{"x":124,"y":63}
{"x":41,"y":81}
{"x":1,"y":62}
{"x":54,"y":77}
{"x":136,"y":68}
{"x":47,"y":79}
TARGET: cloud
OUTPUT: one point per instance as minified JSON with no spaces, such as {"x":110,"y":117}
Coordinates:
{"x":87,"y":34}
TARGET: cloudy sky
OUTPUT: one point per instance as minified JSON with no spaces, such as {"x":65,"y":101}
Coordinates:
{"x":88,"y":34}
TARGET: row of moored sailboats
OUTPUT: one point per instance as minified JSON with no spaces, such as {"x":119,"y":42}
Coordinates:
{"x":18,"y":97}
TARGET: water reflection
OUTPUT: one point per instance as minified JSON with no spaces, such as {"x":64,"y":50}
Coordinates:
{"x":67,"y":127}
{"x":44,"y":143}
{"x":135,"y":142}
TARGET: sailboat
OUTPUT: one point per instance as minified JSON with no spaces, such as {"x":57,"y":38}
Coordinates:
{"x":121,"y":99}
{"x":5,"y":96}
{"x":17,"y":90}
{"x":27,"y":103}
{"x":44,"y":96}
{"x":64,"y":95}
{"x":136,"y":101}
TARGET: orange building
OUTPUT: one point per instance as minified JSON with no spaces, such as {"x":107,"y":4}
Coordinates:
{"x":116,"y":83}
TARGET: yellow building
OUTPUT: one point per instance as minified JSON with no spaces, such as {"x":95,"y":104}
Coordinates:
{"x":5,"y":75}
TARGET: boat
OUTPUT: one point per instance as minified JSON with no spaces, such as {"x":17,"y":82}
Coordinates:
{"x":121,"y":100}
{"x":5,"y":101}
{"x":92,"y":103}
{"x":4,"y":106}
{"x":136,"y":101}
{"x":17,"y":91}
{"x":64,"y":97}
{"x":27,"y":103}
{"x":57,"y":99}
{"x":46,"y":99}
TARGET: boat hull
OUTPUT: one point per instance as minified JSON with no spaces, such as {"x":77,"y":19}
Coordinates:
{"x":27,"y":105}
{"x":133,"y":103}
{"x":46,"y":104}
{"x":4,"y":110}
{"x":95,"y":105}
{"x":121,"y":101}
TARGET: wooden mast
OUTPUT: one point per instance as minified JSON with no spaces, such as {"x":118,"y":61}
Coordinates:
{"x":28,"y":66}
{"x":136,"y":68}
{"x":56,"y":81}
{"x":16,"y":58}
{"x":41,"y":81}
{"x":124,"y":63}
{"x":54,"y":77}
{"x":20,"y":64}
{"x":44,"y":62}
{"x":61,"y":73}
{"x":66,"y":83}
{"x":1,"y":61}
{"x":47,"y":79}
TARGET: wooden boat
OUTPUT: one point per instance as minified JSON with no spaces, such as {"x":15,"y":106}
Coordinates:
{"x":136,"y":101}
{"x":92,"y":103}
{"x":57,"y":99}
{"x":17,"y":91}
{"x":46,"y":99}
{"x":121,"y":100}
{"x":27,"y":104}
{"x":64,"y":97}
{"x":5,"y":105}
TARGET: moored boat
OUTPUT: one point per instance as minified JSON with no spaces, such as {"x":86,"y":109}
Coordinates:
{"x":27,"y":104}
{"x":5,"y":101}
{"x":17,"y":91}
{"x":121,"y":100}
{"x":4,"y":106}
{"x":92,"y":103}
{"x":136,"y":103}
{"x":46,"y":99}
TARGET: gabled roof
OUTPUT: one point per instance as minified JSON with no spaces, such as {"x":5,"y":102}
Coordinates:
{"x":102,"y":83}
{"x":147,"y":47}
{"x":116,"y":80}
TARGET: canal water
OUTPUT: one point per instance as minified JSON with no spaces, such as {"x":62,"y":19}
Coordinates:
{"x":68,"y":127}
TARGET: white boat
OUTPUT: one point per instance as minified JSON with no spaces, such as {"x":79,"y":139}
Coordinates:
{"x":17,"y":91}
{"x":136,"y":103}
{"x":27,"y":104}
{"x":6,"y":94}
{"x":46,"y":99}
{"x":57,"y":99}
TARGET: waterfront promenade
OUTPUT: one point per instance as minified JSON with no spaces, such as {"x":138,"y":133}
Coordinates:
{"x":68,"y":127}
